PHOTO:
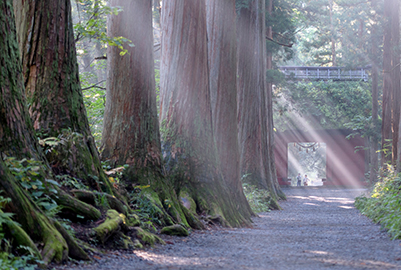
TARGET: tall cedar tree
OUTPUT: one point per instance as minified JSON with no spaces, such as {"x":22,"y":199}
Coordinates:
{"x":269,"y":105}
{"x":131,"y":128}
{"x":395,"y":77}
{"x":17,"y":139}
{"x":188,"y":144}
{"x":391,"y":84}
{"x":253,"y":116}
{"x":222,"y":49}
{"x":53,"y":90}
{"x":375,"y":107}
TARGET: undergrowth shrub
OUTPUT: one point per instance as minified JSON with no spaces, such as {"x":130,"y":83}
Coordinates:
{"x":258,"y":199}
{"x":9,"y":261}
{"x":26,"y":172}
{"x":384,"y":204}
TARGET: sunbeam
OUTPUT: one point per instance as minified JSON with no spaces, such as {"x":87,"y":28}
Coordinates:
{"x":344,"y":166}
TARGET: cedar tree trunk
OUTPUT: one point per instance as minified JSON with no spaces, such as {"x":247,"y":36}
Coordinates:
{"x":253,"y":115}
{"x":395,"y":77}
{"x":387,"y":85}
{"x":17,"y":139}
{"x":53,"y":89}
{"x":131,"y":128}
{"x":269,"y":106}
{"x":222,"y":48}
{"x":188,"y":144}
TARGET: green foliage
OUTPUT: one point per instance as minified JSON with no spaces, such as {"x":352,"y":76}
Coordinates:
{"x":363,"y":125}
{"x":284,"y":29}
{"x":258,"y":199}
{"x":384,"y":204}
{"x":7,"y":259}
{"x":241,"y":4}
{"x":66,"y":180}
{"x":144,"y":207}
{"x":93,"y":25}
{"x":94,"y":95}
{"x":324,"y":104}
{"x":27,"y":173}
{"x":4,"y":217}
{"x":346,"y":24}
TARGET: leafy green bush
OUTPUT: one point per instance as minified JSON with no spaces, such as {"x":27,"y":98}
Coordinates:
{"x":144,"y":207}
{"x":384,"y":204}
{"x":27,"y":173}
{"x":258,"y":199}
{"x":8,"y":261}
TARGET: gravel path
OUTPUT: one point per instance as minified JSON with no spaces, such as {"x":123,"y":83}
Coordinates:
{"x":318,"y":228}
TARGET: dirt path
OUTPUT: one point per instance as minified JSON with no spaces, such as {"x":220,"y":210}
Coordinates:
{"x":318,"y":229}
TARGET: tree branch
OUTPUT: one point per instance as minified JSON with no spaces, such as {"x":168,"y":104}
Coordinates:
{"x":279,"y":43}
{"x":96,"y":85}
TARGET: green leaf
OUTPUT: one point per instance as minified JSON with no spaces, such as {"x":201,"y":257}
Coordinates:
{"x":53,"y":182}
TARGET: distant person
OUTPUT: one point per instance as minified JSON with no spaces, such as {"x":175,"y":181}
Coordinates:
{"x":306,"y":180}
{"x":299,"y":178}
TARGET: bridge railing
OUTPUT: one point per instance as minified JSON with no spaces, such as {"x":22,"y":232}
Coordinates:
{"x":325,"y":73}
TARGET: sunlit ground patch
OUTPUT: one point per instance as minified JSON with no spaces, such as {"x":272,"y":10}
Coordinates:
{"x":166,"y":259}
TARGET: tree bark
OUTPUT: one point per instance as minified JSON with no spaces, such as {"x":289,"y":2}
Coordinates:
{"x":395,"y":77}
{"x":131,"y":128}
{"x":222,"y":49}
{"x":375,"y":113}
{"x":269,"y":106}
{"x":387,"y":85}
{"x":16,"y":137}
{"x":52,"y":85}
{"x":189,"y":148}
{"x":253,"y":116}
{"x":332,"y":38}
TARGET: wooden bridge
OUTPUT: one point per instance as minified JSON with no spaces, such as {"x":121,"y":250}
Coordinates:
{"x":325,"y":73}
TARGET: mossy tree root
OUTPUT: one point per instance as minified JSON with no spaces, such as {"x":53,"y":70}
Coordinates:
{"x":32,"y":220}
{"x":95,"y":198}
{"x":20,"y":237}
{"x":147,"y":237}
{"x":114,"y":223}
{"x":75,"y":206}
{"x":74,"y":250}
{"x":160,"y":193}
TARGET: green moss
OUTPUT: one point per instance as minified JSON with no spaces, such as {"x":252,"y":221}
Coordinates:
{"x":112,"y":223}
{"x":147,"y":237}
{"x":187,"y":201}
{"x":20,"y":237}
{"x":137,"y":244}
{"x":176,"y":229}
{"x":124,"y":242}
{"x":133,"y":220}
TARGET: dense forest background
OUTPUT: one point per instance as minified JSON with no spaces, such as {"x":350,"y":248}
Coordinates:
{"x":121,"y":119}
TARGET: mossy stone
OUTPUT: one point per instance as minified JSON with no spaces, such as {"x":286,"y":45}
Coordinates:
{"x":137,"y":244}
{"x":147,"y":237}
{"x":187,"y":201}
{"x":176,"y":230}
